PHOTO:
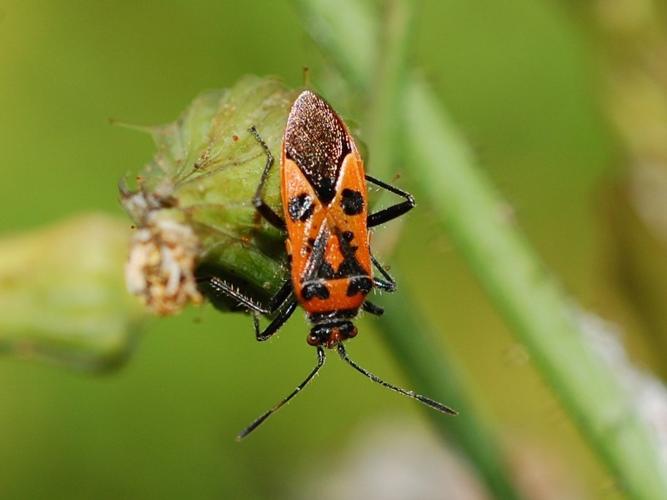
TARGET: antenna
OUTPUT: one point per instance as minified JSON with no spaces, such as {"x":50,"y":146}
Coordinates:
{"x":411,"y":394}
{"x":259,"y":420}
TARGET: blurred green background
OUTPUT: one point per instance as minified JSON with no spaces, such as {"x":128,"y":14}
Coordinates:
{"x":522,"y":81}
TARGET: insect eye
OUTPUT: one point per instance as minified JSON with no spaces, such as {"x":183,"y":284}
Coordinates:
{"x":351,"y":332}
{"x":313,"y":340}
{"x":348,"y":330}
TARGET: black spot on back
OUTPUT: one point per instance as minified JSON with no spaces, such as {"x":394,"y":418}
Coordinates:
{"x":316,"y":140}
{"x":326,"y":271}
{"x":319,"y":269}
{"x":300,"y":208}
{"x":352,"y":202}
{"x":315,"y":289}
{"x":350,"y":265}
{"x":359,"y":284}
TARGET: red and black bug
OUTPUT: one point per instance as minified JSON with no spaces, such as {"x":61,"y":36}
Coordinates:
{"x":325,"y":216}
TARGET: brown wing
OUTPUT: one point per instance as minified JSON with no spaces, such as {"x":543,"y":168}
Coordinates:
{"x":317,"y":141}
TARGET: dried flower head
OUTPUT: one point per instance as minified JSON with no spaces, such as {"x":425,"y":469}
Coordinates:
{"x":192,"y":202}
{"x":160,"y":269}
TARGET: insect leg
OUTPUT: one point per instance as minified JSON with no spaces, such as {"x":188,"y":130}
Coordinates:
{"x":411,"y":394}
{"x":389,"y":283}
{"x":276,"y":302}
{"x":222,"y":287}
{"x":282,"y":302}
{"x":281,"y":296}
{"x":265,"y":210}
{"x":283,"y":315}
{"x":371,"y":308}
{"x":320,"y":362}
{"x":394,"y":211}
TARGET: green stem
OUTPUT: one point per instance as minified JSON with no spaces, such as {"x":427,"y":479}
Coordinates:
{"x":427,"y":366}
{"x":351,"y":28}
{"x":435,"y":372}
{"x":528,"y":297}
{"x":522,"y":290}
{"x":389,"y":81}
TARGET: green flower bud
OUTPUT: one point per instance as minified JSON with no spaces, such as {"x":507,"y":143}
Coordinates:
{"x":193,"y":202}
{"x":62,"y":294}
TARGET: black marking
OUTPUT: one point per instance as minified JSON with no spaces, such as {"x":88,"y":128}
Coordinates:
{"x":315,"y":289}
{"x":317,"y":141}
{"x":359,"y":284}
{"x":333,"y":316}
{"x":350,"y":265}
{"x":300,"y":208}
{"x":327,"y":190}
{"x":308,"y":247}
{"x":352,"y":202}
{"x":326,"y":271}
{"x":319,"y":269}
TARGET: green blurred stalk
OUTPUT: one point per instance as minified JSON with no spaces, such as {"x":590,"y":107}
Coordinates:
{"x":529,"y":298}
{"x":389,"y":80}
{"x":414,"y":343}
{"x":429,"y":368}
{"x":539,"y":312}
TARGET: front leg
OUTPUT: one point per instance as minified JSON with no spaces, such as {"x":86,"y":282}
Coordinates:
{"x":394,"y":211}
{"x":258,"y":201}
{"x":282,"y":317}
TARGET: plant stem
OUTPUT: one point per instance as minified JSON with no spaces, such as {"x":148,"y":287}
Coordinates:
{"x":523,"y":291}
{"x":389,"y":81}
{"x":428,"y":367}
{"x":528,"y":297}
{"x":414,"y":343}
